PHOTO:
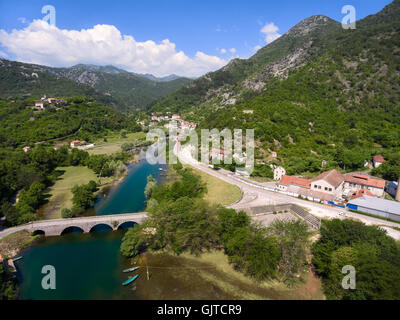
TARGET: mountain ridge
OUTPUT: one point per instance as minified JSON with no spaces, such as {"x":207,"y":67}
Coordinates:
{"x":123,"y":90}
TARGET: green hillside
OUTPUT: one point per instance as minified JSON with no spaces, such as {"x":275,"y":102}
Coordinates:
{"x":82,"y":118}
{"x":327,"y":94}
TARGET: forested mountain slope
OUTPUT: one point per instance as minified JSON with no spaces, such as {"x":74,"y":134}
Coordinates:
{"x":121,"y":89}
{"x":332,"y":94}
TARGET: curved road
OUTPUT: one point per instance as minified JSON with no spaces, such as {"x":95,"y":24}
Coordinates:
{"x":254,"y":195}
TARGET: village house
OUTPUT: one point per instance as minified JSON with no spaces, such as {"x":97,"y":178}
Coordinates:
{"x":358,"y":181}
{"x":278,"y":171}
{"x":26,"y":149}
{"x":274,"y":154}
{"x":176,"y":117}
{"x":219,"y":154}
{"x":377,"y":160}
{"x":330,"y":182}
{"x":324,"y":188}
{"x":248,"y":111}
{"x":39,"y":106}
{"x":287,"y":181}
{"x":75,"y":143}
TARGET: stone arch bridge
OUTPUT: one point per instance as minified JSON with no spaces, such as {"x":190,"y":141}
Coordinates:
{"x":56,"y":227}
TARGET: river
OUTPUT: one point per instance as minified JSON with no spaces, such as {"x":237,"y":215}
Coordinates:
{"x":89,"y":266}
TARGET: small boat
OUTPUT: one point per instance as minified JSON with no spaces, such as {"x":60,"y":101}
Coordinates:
{"x":130,"y":269}
{"x":161,"y":169}
{"x":130,"y":280}
{"x":17,"y":258}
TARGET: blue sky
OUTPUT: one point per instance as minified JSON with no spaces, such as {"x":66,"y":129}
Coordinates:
{"x":190,"y":26}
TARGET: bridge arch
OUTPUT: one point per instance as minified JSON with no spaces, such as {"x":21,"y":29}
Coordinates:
{"x":127,"y":225}
{"x":72,"y":229}
{"x":101,"y":227}
{"x":38,"y":232}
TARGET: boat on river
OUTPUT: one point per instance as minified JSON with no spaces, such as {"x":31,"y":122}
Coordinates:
{"x":17,"y":258}
{"x":130,"y":269}
{"x":130,"y":280}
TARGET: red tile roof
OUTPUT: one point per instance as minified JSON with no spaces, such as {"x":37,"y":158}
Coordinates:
{"x":378,"y":158}
{"x":218,"y":151}
{"x":288,"y":180}
{"x":333,"y":177}
{"x":365,"y":180}
{"x":361,"y":193}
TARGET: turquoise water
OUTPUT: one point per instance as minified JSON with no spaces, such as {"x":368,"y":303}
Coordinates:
{"x":88,"y":266}
{"x":128,"y":196}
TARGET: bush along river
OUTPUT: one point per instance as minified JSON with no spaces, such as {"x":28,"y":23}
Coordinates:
{"x":89,"y":266}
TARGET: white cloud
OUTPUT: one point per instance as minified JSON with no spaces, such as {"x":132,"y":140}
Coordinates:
{"x":42,"y":43}
{"x":271,"y":32}
{"x":232,"y":50}
{"x":256,"y":48}
{"x":223,"y":51}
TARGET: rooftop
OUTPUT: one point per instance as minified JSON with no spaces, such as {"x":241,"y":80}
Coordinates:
{"x":288,"y":180}
{"x":366,"y":180}
{"x":378,"y":158}
{"x":333,"y":177}
{"x":377,"y":204}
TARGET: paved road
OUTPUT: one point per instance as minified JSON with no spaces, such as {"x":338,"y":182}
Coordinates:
{"x":254,"y":195}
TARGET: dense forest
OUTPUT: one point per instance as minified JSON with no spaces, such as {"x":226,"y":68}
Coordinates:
{"x":374,"y":255}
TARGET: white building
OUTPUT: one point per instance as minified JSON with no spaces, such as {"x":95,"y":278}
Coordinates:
{"x":279,"y":172}
{"x":378,"y":160}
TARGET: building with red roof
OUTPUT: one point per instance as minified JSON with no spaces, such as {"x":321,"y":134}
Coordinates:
{"x":288,"y":181}
{"x":360,"y":181}
{"x":378,"y":160}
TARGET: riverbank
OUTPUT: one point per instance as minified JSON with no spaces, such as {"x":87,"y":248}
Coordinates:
{"x":11,"y":245}
{"x":211,"y":277}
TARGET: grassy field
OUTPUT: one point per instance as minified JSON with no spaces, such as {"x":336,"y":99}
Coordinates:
{"x":218,"y":191}
{"x":114,"y":143}
{"x":60,"y":192}
{"x":215,"y":278}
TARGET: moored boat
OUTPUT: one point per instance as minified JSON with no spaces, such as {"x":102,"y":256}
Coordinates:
{"x":130,"y":269}
{"x":130,"y":280}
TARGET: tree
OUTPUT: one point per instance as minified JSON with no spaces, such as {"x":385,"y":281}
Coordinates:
{"x":66,"y":213}
{"x":83,"y":196}
{"x":151,"y":184}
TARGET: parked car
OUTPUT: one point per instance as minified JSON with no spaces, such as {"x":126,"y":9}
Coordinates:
{"x":341,"y":213}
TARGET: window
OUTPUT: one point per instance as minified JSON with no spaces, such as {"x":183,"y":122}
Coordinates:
{"x":315,"y":186}
{"x":326,"y":188}
{"x":330,"y":189}
{"x":319,"y":187}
